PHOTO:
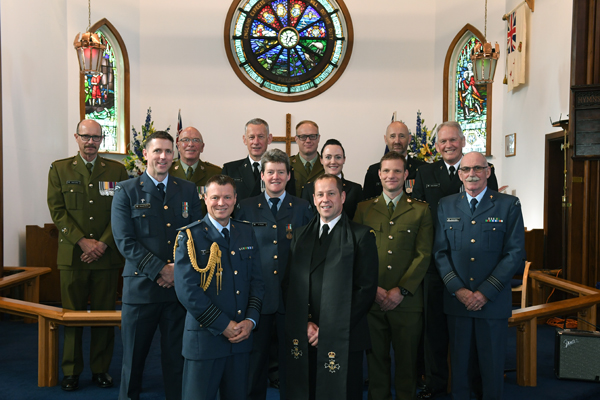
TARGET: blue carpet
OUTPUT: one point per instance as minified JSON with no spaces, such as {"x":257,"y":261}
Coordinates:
{"x":18,"y":370}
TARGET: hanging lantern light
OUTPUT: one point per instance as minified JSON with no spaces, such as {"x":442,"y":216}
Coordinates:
{"x":485,"y":58}
{"x":89,"y":49}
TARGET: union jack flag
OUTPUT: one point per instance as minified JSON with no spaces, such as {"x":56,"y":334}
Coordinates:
{"x":511,"y":37}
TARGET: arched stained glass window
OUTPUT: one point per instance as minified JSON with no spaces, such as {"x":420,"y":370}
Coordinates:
{"x":105,"y":97}
{"x":288,"y":50}
{"x":465,"y":102}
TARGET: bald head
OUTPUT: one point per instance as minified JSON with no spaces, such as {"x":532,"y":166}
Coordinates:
{"x":397,"y":137}
{"x":190,"y":144}
{"x":474,"y":172}
{"x":89,"y":138}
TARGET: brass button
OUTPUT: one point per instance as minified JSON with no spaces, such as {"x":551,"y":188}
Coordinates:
{"x":408,"y":230}
{"x":275,"y":257}
{"x":274,"y":272}
{"x":200,"y":325}
{"x":168,"y":224}
{"x":166,"y":207}
{"x":389,"y":252}
{"x":274,"y":241}
{"x":61,"y":240}
{"x":472,"y":240}
{"x":274,"y":226}
{"x":168,"y":242}
{"x":391,"y":222}
{"x":232,"y":253}
{"x":91,"y":235}
{"x":389,"y":267}
{"x":169,"y":261}
{"x":91,"y":185}
{"x":91,"y":218}
{"x":473,"y":222}
{"x":472,"y":259}
{"x":239,"y":312}
{"x":71,"y":190}
{"x":143,"y":215}
{"x":493,"y":229}
{"x":135,"y":273}
{"x":450,"y":228}
{"x":237,"y":292}
{"x":472,"y":279}
{"x":91,"y":201}
{"x":235,"y":272}
{"x":390,"y":237}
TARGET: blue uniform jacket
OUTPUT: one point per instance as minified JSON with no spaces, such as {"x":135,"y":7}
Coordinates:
{"x":274,"y":235}
{"x":145,"y":228}
{"x":240,"y":296}
{"x":480,"y":252}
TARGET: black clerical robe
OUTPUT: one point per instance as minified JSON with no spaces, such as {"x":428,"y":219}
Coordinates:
{"x":338,"y":279}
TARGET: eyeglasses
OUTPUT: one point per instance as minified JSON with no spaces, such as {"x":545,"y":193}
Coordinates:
{"x":303,"y":138}
{"x":188,"y":140}
{"x":477,"y":169}
{"x":95,"y":138}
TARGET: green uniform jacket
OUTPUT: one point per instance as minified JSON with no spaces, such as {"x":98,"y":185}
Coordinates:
{"x":300,"y":174}
{"x":404,"y":245}
{"x":80,"y":209}
{"x":204,"y":171}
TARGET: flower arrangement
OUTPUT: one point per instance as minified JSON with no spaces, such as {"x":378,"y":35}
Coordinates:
{"x":422,"y":146}
{"x":135,"y":164}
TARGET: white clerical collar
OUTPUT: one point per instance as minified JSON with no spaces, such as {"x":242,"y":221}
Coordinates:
{"x":330,"y":223}
{"x":456,"y":166}
{"x":164,"y":181}
{"x":218,"y":225}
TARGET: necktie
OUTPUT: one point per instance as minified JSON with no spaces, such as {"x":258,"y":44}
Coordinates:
{"x":225,"y":233}
{"x":391,"y":208}
{"x":161,"y":190}
{"x":308,"y":167}
{"x":274,"y":201}
{"x":325,"y":231}
{"x":189,"y":173}
{"x":473,"y":205}
{"x":256,"y":171}
{"x":89,"y":167}
{"x":452,"y":172}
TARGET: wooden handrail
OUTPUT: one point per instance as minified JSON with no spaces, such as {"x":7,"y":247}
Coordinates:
{"x":28,"y":273}
{"x":562,"y":284}
{"x":553,"y":309}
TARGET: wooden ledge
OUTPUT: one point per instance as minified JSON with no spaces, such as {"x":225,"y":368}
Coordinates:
{"x":552,"y":309}
{"x":28,"y":273}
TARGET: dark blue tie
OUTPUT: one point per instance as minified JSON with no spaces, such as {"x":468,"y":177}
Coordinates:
{"x":274,"y":201}
{"x":225,"y":233}
{"x":473,"y":205}
{"x":161,"y":190}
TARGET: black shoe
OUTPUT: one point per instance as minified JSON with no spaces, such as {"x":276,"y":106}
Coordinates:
{"x":70,"y":382}
{"x":428,"y":393}
{"x":103,"y":380}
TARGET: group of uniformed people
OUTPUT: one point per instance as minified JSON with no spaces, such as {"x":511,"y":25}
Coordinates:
{"x":306,"y":269}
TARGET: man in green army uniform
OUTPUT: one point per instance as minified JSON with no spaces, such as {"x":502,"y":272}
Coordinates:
{"x":404,"y":231}
{"x":189,"y":166}
{"x":306,"y":165}
{"x":80,"y":191}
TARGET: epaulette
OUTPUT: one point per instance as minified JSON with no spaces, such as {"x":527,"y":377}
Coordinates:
{"x":190,"y":225}
{"x":65,"y":159}
{"x":491,"y":165}
{"x":419,"y":200}
{"x":212,"y":165}
{"x":108,"y":160}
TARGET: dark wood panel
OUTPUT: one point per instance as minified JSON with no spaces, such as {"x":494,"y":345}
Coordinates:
{"x":41,"y":251}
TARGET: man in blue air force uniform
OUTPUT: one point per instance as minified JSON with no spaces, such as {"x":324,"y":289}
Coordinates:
{"x":275,"y":216}
{"x":479,"y":245}
{"x":218,"y":280}
{"x":146,"y":212}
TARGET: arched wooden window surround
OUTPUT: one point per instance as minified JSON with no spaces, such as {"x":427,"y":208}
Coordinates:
{"x":111,"y":32}
{"x":449,"y":80}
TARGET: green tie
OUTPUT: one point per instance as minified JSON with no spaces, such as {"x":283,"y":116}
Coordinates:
{"x":89,"y":167}
{"x":189,"y":173}
{"x":308,"y":167}
{"x":391,"y":208}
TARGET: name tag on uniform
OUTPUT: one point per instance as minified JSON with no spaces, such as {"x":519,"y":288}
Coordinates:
{"x":454,"y":219}
{"x":259,"y":224}
{"x":432,"y":185}
{"x":144,"y":205}
{"x":73,"y":182}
